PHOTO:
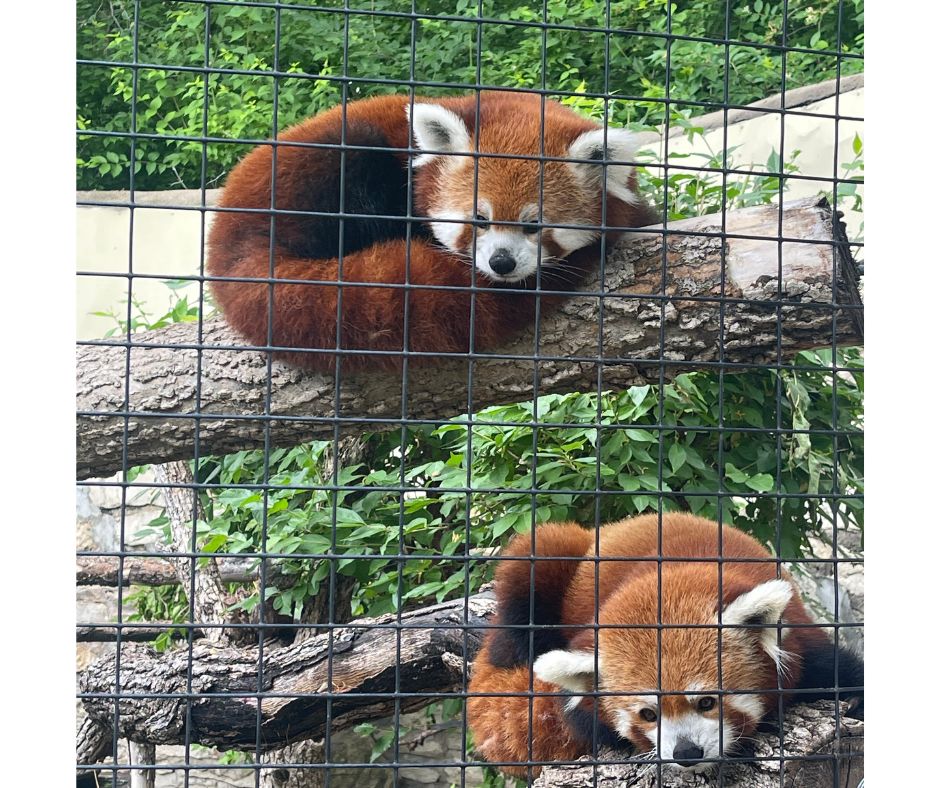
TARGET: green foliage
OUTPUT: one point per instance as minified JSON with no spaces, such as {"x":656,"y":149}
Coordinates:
{"x":160,"y":603}
{"x":635,"y":464}
{"x":237,"y":102}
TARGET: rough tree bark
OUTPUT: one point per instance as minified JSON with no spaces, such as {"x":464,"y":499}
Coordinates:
{"x":813,"y":742}
{"x":364,"y":656}
{"x":768,"y":286}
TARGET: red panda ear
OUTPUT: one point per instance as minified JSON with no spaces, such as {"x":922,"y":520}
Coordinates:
{"x":437,"y":130}
{"x":616,"y":145}
{"x":570,"y":670}
{"x":762,"y":606}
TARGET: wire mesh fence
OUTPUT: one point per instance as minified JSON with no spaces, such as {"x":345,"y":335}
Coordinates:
{"x":526,"y":267}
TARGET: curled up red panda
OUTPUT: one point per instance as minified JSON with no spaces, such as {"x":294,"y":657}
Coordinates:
{"x":486,"y":217}
{"x":734,"y":641}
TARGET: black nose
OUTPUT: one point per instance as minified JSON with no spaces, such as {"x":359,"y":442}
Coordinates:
{"x":686,"y":753}
{"x":502,"y":261}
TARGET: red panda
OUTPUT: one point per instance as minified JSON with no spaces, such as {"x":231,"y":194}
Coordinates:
{"x":687,"y":707}
{"x":297,"y":236}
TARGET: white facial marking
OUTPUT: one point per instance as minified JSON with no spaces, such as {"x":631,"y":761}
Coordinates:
{"x":448,"y":232}
{"x":623,"y":720}
{"x":523,"y":248}
{"x":570,"y":239}
{"x":698,"y":729}
{"x":750,"y":705}
{"x":571,"y":670}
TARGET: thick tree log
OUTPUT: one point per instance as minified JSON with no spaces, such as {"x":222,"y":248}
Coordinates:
{"x":768,"y":287}
{"x":813,"y":743}
{"x":363,"y":660}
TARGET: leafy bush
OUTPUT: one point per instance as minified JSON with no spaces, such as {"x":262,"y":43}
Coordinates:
{"x":629,"y":459}
{"x":179,"y":108}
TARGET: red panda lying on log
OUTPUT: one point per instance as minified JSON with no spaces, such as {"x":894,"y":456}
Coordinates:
{"x":514,"y":208}
{"x":687,"y":707}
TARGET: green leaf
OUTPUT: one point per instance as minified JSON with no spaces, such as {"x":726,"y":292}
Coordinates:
{"x":677,"y":456}
{"x":762,"y":482}
{"x":733,"y":473}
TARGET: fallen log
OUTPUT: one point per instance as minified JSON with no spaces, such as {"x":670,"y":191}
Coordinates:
{"x":360,"y":667}
{"x":747,"y":297}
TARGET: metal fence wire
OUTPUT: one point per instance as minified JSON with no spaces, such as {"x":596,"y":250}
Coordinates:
{"x":284,"y":575}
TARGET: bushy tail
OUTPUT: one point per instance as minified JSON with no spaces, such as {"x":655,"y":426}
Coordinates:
{"x":305,"y":311}
{"x":507,"y":730}
{"x":829,"y":672}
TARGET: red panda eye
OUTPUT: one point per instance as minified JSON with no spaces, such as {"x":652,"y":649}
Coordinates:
{"x":482,"y":219}
{"x":649,"y":715}
{"x":530,"y":228}
{"x":706,"y":704}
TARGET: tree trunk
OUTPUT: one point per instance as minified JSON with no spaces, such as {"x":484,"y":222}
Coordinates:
{"x":811,"y":733}
{"x":776,"y":298}
{"x":142,"y":754}
{"x":93,"y":743}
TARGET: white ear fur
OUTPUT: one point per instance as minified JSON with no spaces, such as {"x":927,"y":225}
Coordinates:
{"x":437,"y":129}
{"x":570,"y":670}
{"x":762,"y":605}
{"x":620,"y":147}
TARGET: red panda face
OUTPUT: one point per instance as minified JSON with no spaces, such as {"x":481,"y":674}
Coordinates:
{"x":661,"y":687}
{"x":501,"y":212}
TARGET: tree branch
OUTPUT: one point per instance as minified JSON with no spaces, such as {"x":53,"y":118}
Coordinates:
{"x":202,"y":585}
{"x":364,"y":663}
{"x":108,"y":571}
{"x":768,"y":289}
{"x":368,"y":667}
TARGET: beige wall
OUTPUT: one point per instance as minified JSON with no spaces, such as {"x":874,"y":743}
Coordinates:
{"x":813,"y":137}
{"x":168,"y":240}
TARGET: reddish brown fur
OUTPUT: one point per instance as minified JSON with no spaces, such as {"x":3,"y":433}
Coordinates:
{"x":501,"y":725}
{"x":304,"y":315}
{"x":628,"y":594}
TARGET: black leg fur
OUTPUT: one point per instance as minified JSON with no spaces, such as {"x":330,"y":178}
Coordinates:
{"x":510,"y":647}
{"x":581,"y":720}
{"x":535,"y":593}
